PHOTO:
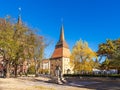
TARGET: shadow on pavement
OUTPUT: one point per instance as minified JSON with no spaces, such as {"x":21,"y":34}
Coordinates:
{"x":89,"y":84}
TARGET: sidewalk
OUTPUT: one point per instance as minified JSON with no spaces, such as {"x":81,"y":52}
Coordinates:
{"x":28,"y":83}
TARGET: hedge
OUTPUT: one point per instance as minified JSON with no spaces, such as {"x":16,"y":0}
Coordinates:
{"x":92,"y":75}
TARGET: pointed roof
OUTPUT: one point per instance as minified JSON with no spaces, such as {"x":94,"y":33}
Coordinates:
{"x":61,"y":48}
{"x":62,"y":42}
{"x":62,"y":34}
{"x":19,"y":20}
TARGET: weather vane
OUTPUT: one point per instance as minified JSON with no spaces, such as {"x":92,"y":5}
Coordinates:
{"x":19,"y":10}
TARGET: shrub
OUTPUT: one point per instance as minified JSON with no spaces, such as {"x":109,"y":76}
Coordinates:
{"x":44,"y":71}
{"x":31,"y":69}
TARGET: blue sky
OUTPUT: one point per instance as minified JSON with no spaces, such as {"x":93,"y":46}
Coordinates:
{"x":91,"y":20}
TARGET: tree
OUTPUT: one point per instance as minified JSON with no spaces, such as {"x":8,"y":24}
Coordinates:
{"x":111,"y":50}
{"x":106,"y":49}
{"x":38,"y":53}
{"x":106,"y":64}
{"x":82,"y":57}
{"x":6,"y":35}
{"x":18,"y":43}
{"x":22,"y":45}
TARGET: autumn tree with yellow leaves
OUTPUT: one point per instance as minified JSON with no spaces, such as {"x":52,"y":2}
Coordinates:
{"x":82,"y":58}
{"x":18,"y":43}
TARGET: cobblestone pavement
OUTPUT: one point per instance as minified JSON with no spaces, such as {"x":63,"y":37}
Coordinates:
{"x":28,"y":83}
{"x":97,"y":84}
{"x":32,"y":84}
{"x":104,"y":85}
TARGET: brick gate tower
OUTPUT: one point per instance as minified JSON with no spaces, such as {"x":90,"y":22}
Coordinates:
{"x":60,"y":56}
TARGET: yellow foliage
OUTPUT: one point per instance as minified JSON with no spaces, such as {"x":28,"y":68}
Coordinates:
{"x":82,"y":57}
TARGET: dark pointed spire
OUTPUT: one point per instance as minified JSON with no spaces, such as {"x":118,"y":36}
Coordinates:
{"x":62,"y":38}
{"x":19,"y":17}
{"x":61,"y":48}
{"x":62,"y":42}
{"x":19,"y":20}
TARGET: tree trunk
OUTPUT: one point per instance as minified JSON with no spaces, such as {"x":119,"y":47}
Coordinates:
{"x":36,"y":70}
{"x":16,"y":67}
{"x":36,"y":74}
{"x":7,"y":73}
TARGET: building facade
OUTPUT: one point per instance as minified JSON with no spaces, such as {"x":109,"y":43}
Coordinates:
{"x":45,"y":66}
{"x":61,"y":56}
